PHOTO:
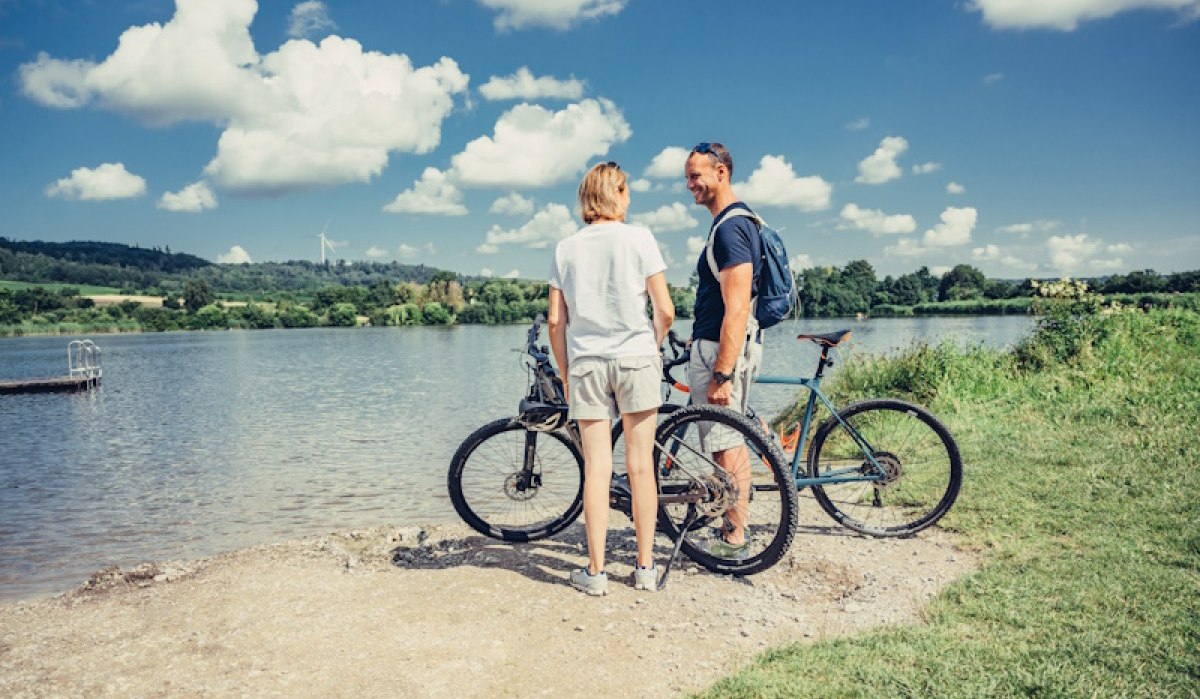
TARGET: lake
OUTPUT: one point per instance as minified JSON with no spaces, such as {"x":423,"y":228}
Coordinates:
{"x":203,"y":442}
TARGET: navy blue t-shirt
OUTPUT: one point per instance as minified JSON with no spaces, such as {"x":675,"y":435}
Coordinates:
{"x":737,"y":241}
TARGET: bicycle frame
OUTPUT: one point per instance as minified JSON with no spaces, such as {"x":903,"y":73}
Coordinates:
{"x":813,"y":385}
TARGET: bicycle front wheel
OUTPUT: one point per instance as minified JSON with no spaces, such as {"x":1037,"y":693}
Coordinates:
{"x":515,"y":484}
{"x":746,"y":489}
{"x":922,"y":469}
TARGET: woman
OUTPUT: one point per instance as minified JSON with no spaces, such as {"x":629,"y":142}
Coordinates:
{"x":607,"y":351}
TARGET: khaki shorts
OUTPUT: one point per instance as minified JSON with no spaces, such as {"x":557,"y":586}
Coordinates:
{"x":602,"y":388}
{"x":700,"y":368}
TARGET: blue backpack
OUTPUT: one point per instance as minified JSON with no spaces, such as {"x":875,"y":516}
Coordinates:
{"x":776,"y":295}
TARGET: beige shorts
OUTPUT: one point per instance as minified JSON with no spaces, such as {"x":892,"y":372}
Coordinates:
{"x":603,"y":388}
{"x":700,"y":368}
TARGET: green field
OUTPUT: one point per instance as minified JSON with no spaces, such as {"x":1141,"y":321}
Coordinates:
{"x":84,"y":289}
{"x":1082,"y":475}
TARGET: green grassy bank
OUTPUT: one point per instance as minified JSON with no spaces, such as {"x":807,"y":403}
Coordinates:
{"x":1082,"y":474}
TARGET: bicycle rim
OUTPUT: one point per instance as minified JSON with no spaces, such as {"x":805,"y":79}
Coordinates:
{"x":766,"y":512}
{"x":922,"y":469}
{"x":495,"y":496}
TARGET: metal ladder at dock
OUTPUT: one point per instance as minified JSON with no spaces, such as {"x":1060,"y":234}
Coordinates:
{"x":84,"y":362}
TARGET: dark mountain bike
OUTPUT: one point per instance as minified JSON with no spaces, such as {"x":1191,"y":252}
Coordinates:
{"x":521,"y":478}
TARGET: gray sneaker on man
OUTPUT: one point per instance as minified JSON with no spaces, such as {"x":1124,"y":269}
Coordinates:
{"x":734,"y":552}
{"x":595,"y":585}
{"x":645,"y":578}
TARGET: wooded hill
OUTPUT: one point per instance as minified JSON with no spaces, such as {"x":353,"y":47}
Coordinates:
{"x":155,"y":271}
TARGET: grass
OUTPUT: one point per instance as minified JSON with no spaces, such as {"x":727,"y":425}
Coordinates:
{"x":83,"y":289}
{"x":1081,"y":483}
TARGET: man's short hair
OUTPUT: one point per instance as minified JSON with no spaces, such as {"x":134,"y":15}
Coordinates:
{"x":718,"y":152}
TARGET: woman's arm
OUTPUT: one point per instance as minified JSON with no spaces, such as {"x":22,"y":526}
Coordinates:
{"x":556,"y":321}
{"x":664,"y":309}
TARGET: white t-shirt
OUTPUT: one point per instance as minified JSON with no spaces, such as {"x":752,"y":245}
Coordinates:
{"x":602,"y":271}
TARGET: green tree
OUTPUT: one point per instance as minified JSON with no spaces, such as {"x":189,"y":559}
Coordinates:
{"x":434,"y":313}
{"x":343,"y":315}
{"x":962,"y":283}
{"x":197,"y":293}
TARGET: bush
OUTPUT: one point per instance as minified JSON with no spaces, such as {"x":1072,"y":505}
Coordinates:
{"x":342,"y":315}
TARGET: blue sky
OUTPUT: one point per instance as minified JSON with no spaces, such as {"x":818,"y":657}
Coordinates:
{"x":1025,"y":137}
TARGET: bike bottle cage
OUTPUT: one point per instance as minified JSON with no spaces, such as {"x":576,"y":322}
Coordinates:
{"x":832,"y":339}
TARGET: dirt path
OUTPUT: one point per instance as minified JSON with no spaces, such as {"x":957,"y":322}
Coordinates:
{"x":441,"y":612}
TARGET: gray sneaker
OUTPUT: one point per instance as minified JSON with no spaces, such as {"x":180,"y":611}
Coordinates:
{"x":734,"y":552}
{"x":645,"y":578}
{"x":595,"y":585}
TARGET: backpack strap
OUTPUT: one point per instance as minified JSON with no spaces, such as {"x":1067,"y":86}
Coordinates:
{"x":712,"y":232}
{"x":751,"y":321}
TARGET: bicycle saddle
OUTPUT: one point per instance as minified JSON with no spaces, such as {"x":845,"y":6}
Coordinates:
{"x":832,"y":339}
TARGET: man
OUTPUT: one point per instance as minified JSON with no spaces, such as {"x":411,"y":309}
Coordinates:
{"x":726,"y":343}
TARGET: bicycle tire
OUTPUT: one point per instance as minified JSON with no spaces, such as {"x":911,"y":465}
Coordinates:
{"x":769,"y":514}
{"x":922,"y":459}
{"x":618,"y":432}
{"x":484,"y":488}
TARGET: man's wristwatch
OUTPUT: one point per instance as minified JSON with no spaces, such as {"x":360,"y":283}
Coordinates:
{"x":721,"y":379}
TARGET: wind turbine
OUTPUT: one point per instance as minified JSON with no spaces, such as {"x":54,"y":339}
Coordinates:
{"x":326,"y":242}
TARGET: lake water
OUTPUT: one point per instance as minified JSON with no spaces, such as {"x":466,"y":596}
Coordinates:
{"x":198,"y":443}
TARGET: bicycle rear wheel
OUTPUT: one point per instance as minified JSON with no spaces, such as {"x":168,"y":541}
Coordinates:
{"x":923,"y":469}
{"x":515,"y":484}
{"x":684,"y":469}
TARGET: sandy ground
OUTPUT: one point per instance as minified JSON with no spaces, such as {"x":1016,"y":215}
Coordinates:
{"x":442,"y":612}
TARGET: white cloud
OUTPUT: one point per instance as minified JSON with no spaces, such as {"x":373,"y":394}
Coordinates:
{"x":859,"y":124}
{"x":955,"y":228}
{"x":432,"y":194}
{"x":800,"y":262}
{"x":926,"y":168}
{"x":939,"y":270}
{"x":668,"y":258}
{"x":308,"y":18}
{"x":237,"y":255}
{"x":1024,"y":229}
{"x":695,"y":244}
{"x":486,"y":273}
{"x":375,"y":252}
{"x":905,"y":247}
{"x":552,"y":14}
{"x":673,"y":217}
{"x":304,"y":115}
{"x":106,"y":181}
{"x":992,"y":78}
{"x":1065,"y":15}
{"x":880,"y":166}
{"x":1071,"y":254}
{"x":511,"y":274}
{"x":407,"y":252}
{"x":523,"y":85}
{"x":775,"y":183}
{"x":534,"y":147}
{"x":955,"y":188}
{"x":547,"y":227}
{"x":993,"y":253}
{"x":193,"y":198}
{"x":640,"y":185}
{"x":876,"y":222}
{"x":512,"y":204}
{"x":668,"y":164}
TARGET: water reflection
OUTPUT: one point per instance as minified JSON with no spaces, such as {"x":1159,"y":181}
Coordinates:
{"x":202,"y":442}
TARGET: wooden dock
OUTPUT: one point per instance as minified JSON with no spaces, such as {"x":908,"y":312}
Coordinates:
{"x":49,"y":385}
{"x":83,"y":373}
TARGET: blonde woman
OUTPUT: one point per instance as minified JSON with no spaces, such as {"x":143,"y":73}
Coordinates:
{"x":607,"y":350}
